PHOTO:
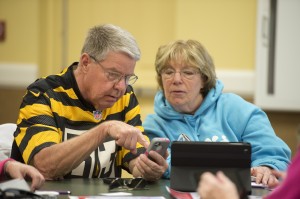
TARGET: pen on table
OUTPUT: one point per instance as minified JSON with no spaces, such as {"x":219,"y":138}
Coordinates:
{"x":64,"y":192}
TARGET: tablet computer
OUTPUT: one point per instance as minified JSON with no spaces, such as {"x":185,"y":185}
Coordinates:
{"x":189,"y":159}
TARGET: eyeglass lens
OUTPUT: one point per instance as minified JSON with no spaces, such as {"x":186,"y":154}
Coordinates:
{"x":116,"y":77}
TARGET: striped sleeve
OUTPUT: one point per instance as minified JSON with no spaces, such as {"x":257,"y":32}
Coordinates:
{"x":36,"y":124}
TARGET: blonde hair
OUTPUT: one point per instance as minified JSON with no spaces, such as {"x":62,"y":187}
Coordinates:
{"x":190,"y":52}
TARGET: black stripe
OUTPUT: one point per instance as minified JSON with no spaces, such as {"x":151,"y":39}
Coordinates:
{"x":37,"y":149}
{"x":136,"y":121}
{"x":30,"y":132}
{"x":129,"y":156}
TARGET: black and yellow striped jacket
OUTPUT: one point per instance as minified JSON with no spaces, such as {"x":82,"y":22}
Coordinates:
{"x":53,"y":111}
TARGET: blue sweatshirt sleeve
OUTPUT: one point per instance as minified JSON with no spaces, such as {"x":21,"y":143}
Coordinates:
{"x":251,"y":124}
{"x":267,"y":148}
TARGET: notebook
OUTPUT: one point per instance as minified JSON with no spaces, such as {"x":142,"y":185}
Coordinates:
{"x":189,"y":159}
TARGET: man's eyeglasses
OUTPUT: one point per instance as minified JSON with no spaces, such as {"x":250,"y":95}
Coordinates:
{"x":187,"y":73}
{"x":125,"y":183}
{"x":115,"y":76}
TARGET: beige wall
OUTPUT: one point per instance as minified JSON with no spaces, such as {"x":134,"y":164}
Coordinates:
{"x":22,"y":34}
{"x":50,"y":33}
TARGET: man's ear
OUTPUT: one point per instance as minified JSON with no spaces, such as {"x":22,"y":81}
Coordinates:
{"x":85,"y":60}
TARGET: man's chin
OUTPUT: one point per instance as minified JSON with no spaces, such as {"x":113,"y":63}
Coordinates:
{"x":108,"y":104}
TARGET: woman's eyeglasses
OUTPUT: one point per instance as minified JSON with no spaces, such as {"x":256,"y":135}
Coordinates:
{"x":186,"y":73}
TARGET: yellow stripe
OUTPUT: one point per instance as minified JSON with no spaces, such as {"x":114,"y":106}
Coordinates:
{"x":37,"y":140}
{"x":70,"y":92}
{"x":34,"y":110}
{"x":122,"y":102}
{"x":132,"y":113}
{"x":20,"y":136}
{"x":71,"y":112}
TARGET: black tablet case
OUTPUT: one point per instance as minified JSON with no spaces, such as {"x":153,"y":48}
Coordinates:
{"x":189,"y":159}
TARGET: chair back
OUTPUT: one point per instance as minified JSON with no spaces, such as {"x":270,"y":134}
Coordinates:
{"x":6,"y":139}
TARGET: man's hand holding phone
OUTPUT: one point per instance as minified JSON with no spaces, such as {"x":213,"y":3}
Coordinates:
{"x":152,"y":165}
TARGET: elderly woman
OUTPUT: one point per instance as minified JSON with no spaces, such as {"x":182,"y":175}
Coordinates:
{"x":191,"y":106}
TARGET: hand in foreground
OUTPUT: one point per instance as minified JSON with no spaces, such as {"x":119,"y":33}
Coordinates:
{"x":216,"y":187}
{"x":150,"y":170}
{"x":18,"y":170}
{"x":279,"y":175}
{"x":126,"y":135}
{"x":264,"y":175}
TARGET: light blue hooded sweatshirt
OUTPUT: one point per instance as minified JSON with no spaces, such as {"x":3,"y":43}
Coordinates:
{"x":222,"y":117}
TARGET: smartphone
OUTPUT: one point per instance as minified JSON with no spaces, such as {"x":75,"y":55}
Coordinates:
{"x":160,"y":145}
